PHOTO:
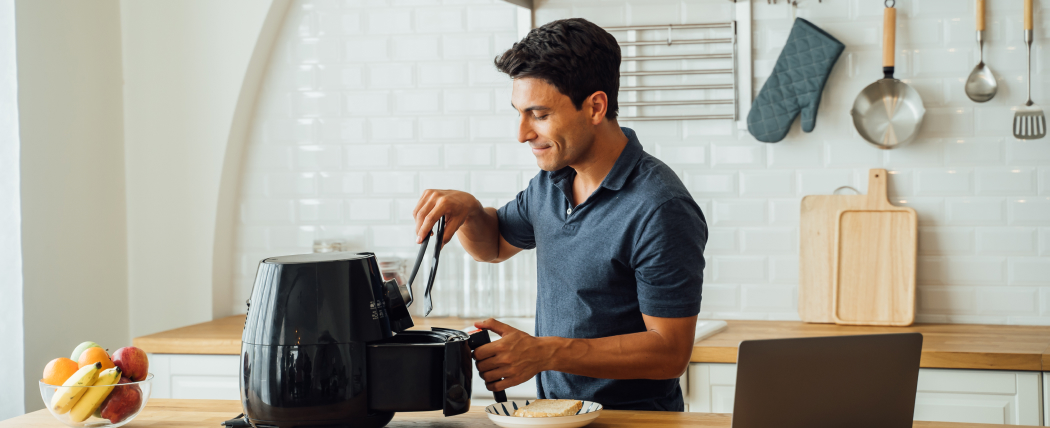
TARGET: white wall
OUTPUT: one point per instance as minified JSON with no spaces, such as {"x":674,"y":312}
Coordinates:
{"x":370,"y":103}
{"x":983,"y":197}
{"x":166,"y":120}
{"x":185,"y":64}
{"x":12,"y":393}
{"x":72,"y":180}
{"x":365,"y":105}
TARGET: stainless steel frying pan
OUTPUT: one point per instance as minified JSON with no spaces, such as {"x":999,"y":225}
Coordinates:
{"x":888,"y":113}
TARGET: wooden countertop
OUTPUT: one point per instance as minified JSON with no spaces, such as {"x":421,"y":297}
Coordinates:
{"x":223,"y":336}
{"x":209,"y":413}
{"x":946,"y":346}
{"x":959,"y":346}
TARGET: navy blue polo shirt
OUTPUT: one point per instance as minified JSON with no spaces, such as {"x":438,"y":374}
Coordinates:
{"x":635,"y":246}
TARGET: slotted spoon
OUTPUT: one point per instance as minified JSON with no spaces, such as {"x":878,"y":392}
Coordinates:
{"x":1029,"y":121}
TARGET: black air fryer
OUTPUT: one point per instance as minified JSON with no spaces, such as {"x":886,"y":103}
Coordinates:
{"x":325,"y":344}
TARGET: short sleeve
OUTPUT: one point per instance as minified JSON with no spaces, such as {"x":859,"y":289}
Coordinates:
{"x":669,"y":260}
{"x":515,"y":225}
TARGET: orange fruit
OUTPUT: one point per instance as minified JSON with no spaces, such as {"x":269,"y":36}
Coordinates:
{"x":96,"y":355}
{"x":58,"y":370}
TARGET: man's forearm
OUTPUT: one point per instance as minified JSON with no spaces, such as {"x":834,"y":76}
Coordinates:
{"x":645,"y":355}
{"x":480,"y":235}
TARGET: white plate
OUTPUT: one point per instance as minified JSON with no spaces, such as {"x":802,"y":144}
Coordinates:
{"x":500,"y":414}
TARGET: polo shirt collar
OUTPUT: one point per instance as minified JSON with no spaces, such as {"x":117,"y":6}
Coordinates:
{"x":625,"y":163}
{"x":617,"y":176}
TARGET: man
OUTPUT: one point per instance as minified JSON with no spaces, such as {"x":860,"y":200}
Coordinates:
{"x":619,"y":241}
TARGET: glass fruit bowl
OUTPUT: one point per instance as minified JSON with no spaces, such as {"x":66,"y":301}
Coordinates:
{"x":116,"y":408}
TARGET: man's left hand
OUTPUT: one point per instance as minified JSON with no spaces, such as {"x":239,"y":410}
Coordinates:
{"x":513,"y":359}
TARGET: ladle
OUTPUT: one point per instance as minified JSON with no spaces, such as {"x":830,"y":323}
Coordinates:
{"x":981,"y":85}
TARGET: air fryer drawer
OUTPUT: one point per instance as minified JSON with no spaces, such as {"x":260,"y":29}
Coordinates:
{"x":411,"y":372}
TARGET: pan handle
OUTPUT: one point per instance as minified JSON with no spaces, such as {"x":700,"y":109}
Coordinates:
{"x":889,"y":40}
{"x":1028,"y":15}
{"x":980,"y":15}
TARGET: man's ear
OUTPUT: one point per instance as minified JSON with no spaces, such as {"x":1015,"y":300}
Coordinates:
{"x":599,"y":105}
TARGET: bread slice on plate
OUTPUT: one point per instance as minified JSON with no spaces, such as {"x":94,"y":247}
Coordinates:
{"x":544,"y":408}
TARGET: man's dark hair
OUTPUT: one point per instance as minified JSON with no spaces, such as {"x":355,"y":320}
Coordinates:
{"x":576,"y":56}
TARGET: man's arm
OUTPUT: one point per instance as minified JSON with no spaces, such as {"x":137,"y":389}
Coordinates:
{"x":476,"y":237}
{"x":660,"y":352}
{"x":478,"y":226}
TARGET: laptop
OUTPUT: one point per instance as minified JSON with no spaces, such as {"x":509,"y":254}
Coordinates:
{"x":843,"y":381}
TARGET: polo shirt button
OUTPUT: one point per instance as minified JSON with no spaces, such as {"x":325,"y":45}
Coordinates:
{"x":568,"y":211}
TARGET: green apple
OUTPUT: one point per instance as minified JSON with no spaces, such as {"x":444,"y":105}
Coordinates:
{"x":81,"y":348}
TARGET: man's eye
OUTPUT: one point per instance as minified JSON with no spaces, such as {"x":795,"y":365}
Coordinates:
{"x":542,"y":117}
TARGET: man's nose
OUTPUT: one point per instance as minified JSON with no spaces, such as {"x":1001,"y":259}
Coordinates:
{"x":525,"y":132}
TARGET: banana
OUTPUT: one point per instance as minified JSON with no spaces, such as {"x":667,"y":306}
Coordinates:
{"x":87,"y":404}
{"x":66,"y":396}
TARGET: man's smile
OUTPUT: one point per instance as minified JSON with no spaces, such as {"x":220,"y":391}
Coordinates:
{"x":539,"y":149}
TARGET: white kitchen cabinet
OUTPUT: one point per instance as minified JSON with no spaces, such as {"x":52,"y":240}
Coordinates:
{"x":710,"y":387}
{"x":195,"y":376}
{"x":215,"y":377}
{"x":978,"y":396}
{"x":1046,"y":399}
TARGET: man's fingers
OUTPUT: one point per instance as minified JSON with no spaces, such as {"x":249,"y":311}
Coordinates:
{"x":427,"y":226}
{"x":420,"y":217}
{"x":495,"y":375}
{"x":485,"y":352}
{"x":495,"y":326}
{"x":422,"y":199}
{"x":491,"y":362}
{"x":454,"y":205}
{"x":504,"y":384}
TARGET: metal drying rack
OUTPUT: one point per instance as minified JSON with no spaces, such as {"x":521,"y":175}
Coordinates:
{"x":670,"y":41}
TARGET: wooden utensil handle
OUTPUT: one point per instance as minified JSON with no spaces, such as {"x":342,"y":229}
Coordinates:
{"x":1027,"y":14}
{"x":889,"y":38}
{"x":980,"y":15}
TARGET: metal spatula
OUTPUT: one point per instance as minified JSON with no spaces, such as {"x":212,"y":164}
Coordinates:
{"x":1029,"y":121}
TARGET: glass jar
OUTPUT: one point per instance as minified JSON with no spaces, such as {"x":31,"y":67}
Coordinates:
{"x":393,"y":268}
{"x":328,"y":245}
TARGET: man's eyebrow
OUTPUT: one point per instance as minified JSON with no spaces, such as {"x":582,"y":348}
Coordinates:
{"x":532,"y":108}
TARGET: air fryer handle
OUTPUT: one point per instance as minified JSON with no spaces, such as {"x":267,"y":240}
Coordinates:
{"x":478,"y":338}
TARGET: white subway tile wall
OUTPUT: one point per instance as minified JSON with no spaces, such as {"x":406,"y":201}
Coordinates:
{"x":368,"y":103}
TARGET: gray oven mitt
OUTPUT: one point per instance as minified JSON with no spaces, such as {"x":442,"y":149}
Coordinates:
{"x":796,"y":83}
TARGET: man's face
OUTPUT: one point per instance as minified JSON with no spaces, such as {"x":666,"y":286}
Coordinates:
{"x":558,"y":134}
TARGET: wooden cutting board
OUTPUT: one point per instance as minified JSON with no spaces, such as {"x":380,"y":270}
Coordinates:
{"x":816,"y":253}
{"x":817,"y":246}
{"x":873,"y":282}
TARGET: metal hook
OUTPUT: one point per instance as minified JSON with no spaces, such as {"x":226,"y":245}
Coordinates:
{"x":890,"y":3}
{"x":668,"y":34}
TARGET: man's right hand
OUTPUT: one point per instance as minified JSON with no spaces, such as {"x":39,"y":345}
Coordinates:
{"x":456,"y":206}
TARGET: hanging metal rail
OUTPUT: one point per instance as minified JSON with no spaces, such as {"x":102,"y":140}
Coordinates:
{"x":667,"y":57}
{"x":670,"y":41}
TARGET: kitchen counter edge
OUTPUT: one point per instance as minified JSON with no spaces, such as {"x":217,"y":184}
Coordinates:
{"x":950,"y":346}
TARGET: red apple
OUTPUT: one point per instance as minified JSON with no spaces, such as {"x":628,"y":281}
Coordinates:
{"x":123,"y":402}
{"x":132,"y":362}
